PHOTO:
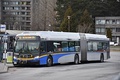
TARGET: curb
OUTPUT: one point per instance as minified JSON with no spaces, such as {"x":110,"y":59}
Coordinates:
{"x":4,"y":69}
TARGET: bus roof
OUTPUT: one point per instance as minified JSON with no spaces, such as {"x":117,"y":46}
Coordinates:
{"x":96,"y":37}
{"x":14,"y":32}
{"x":51,"y":35}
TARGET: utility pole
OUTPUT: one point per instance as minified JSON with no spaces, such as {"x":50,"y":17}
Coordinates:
{"x":68,"y":23}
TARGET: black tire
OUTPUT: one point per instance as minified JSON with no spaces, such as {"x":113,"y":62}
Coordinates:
{"x":49,"y":61}
{"x":102,"y":58}
{"x":76,"y":59}
{"x":16,"y":65}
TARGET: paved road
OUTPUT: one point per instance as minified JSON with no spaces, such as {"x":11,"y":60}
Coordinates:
{"x":109,"y":70}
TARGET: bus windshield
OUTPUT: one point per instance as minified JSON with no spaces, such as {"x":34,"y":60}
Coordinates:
{"x":27,"y":47}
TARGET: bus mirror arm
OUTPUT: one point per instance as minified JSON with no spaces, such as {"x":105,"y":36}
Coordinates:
{"x":11,"y":50}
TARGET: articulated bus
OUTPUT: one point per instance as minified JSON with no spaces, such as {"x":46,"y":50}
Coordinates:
{"x":49,"y":47}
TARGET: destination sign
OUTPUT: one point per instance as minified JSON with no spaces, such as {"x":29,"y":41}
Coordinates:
{"x":28,"y":37}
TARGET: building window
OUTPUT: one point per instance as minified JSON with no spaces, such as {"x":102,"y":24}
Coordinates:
{"x":5,"y":3}
{"x":13,"y":13}
{"x":3,"y":8}
{"x":28,"y":13}
{"x":27,"y":28}
{"x":28,"y":8}
{"x":100,"y":21}
{"x":6,"y":8}
{"x":11,"y":3}
{"x":16,"y":3}
{"x":23,"y":8}
{"x":28,"y":3}
{"x":4,"y":12}
{"x":118,"y":21}
{"x":113,"y":21}
{"x":23,"y":18}
{"x":113,"y":30}
{"x":102,"y":30}
{"x":27,"y":18}
{"x":23,"y":13}
{"x":28,"y":23}
{"x":110,"y":21}
{"x":97,"y":30}
{"x":23,"y":3}
{"x":107,"y":21}
{"x":117,"y":29}
{"x":16,"y":8}
{"x":23,"y":23}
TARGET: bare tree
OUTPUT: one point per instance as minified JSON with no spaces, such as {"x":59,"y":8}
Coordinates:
{"x":84,"y":28}
{"x":86,"y":23}
{"x":16,"y":26}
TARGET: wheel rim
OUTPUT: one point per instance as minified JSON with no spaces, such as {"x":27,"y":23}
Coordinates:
{"x":49,"y":62}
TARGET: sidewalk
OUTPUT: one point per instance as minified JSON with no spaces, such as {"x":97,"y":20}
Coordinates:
{"x":3,"y":68}
{"x":115,"y":48}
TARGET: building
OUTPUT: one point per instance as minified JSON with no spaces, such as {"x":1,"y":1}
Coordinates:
{"x":101,"y":23}
{"x":0,"y":11}
{"x":28,"y":14}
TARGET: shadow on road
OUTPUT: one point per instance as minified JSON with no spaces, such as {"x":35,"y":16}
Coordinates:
{"x":55,"y":65}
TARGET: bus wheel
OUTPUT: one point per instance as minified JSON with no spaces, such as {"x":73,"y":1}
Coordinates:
{"x":102,"y":58}
{"x":49,"y":61}
{"x":16,"y":65}
{"x":76,"y":59}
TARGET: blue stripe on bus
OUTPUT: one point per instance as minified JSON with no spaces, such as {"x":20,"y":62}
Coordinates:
{"x":43,"y":60}
{"x":57,"y":56}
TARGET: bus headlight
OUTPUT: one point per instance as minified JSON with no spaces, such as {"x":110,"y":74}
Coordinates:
{"x":36,"y":57}
{"x":15,"y":57}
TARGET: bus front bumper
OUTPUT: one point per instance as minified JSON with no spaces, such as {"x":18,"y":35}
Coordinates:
{"x":26,"y":62}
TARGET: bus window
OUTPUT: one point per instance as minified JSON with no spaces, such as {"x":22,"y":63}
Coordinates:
{"x":53,"y":46}
{"x":71,"y":46}
{"x":105,"y":45}
{"x":64,"y":46}
{"x":58,"y":46}
{"x":50,"y":46}
{"x":95,"y":46}
{"x":90,"y":46}
{"x":77,"y":46}
{"x":100,"y":46}
{"x":43,"y":47}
